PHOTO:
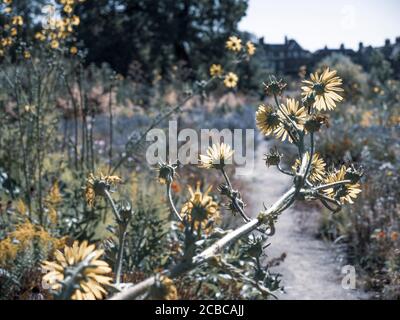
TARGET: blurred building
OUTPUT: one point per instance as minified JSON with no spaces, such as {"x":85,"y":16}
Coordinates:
{"x":289,"y":57}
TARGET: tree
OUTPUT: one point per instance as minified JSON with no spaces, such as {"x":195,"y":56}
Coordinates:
{"x":158,"y":34}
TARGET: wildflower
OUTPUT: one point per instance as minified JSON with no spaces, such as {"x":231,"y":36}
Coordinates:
{"x":267,"y":119}
{"x":164,"y":289}
{"x":296,"y":113}
{"x":97,"y":185}
{"x":234,"y":44}
{"x":324,"y":87}
{"x":17,"y":21}
{"x":251,"y":49}
{"x":54,"y":197}
{"x":344,"y":192}
{"x":394,"y":236}
{"x":8,"y":10}
{"x":91,"y":285}
{"x":317,"y":169}
{"x":75,"y":20}
{"x":68,"y":9}
{"x":27,"y":55}
{"x":216,"y":70}
{"x":217,"y":156}
{"x":200,"y":208}
{"x":1,"y":53}
{"x":40,"y":36}
{"x":231,"y":80}
{"x":73,"y":50}
{"x":54,"y":44}
{"x":13,"y":32}
{"x":273,"y":158}
{"x":7,"y":2}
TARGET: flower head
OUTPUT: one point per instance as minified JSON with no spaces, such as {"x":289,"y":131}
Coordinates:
{"x":273,"y":158}
{"x":216,"y":70}
{"x":296,"y":113}
{"x":231,"y":80}
{"x":317,"y":169}
{"x":94,"y":276}
{"x":344,"y":192}
{"x":234,"y":44}
{"x":267,"y":120}
{"x":217,"y":156}
{"x":251,"y":48}
{"x":200,"y":207}
{"x":97,"y":185}
{"x":323,"y":87}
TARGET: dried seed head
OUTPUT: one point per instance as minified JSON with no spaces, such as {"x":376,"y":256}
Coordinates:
{"x":354,"y":174}
{"x":273,"y":158}
{"x":274,"y":87}
{"x":125,"y":211}
{"x":166,"y":172}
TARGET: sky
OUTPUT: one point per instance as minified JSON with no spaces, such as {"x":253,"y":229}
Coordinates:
{"x":316,"y":23}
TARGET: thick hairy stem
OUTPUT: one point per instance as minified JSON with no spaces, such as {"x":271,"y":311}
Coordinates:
{"x":118,"y":264}
{"x":234,"y":199}
{"x":142,"y":287}
{"x":332,"y":184}
{"x":311,"y":155}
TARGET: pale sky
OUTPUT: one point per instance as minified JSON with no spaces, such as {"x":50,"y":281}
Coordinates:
{"x":316,"y":23}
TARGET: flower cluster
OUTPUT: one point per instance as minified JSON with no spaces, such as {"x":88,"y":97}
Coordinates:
{"x":11,"y":28}
{"x":233,"y":44}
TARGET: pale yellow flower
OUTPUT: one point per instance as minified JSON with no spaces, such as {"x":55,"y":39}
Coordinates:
{"x":231,"y":80}
{"x":317,"y":169}
{"x":267,"y":120}
{"x":200,"y":208}
{"x":17,"y":21}
{"x":91,"y":286}
{"x":343,"y":193}
{"x":296,"y":113}
{"x":251,"y":48}
{"x":217,"y":156}
{"x":216,"y":70}
{"x":324,"y":88}
{"x":234,"y":44}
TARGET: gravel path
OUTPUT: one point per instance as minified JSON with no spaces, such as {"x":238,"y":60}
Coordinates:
{"x":309,"y":271}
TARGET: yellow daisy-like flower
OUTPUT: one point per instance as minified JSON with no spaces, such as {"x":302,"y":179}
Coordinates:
{"x":216,"y":70}
{"x":68,"y":9}
{"x":267,"y":120}
{"x":231,"y":80}
{"x":317,"y":169}
{"x":324,"y":88}
{"x":40,"y":36}
{"x":13,"y":32}
{"x":7,"y":1}
{"x":91,"y":287}
{"x":17,"y":21}
{"x":54,"y":44}
{"x":234,"y":44}
{"x":73,"y":50}
{"x":200,"y":208}
{"x":343,"y":193}
{"x":251,"y":48}
{"x":75,"y":20}
{"x":27,"y":55}
{"x":296,"y":113}
{"x":217,"y":156}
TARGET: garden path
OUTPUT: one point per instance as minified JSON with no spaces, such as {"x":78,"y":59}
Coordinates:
{"x":310,"y":270}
